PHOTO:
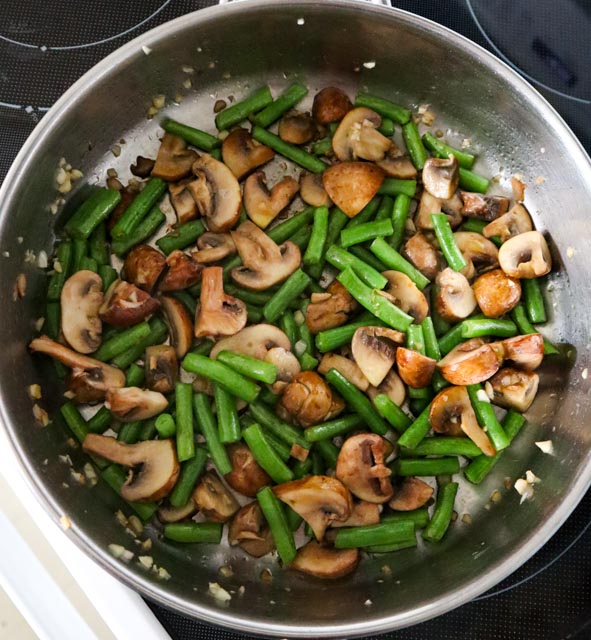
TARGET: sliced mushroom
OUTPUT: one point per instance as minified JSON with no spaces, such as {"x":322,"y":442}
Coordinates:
{"x":361,"y":468}
{"x":312,"y":192}
{"x":525,"y":256}
{"x":263,"y":205}
{"x":441,"y":176}
{"x":213,"y":247}
{"x":297,"y":127}
{"x":513,"y":388}
{"x":249,"y":530}
{"x":213,"y":499}
{"x":162,"y":368}
{"x":330,"y":309}
{"x":517,"y":220}
{"x":415,"y":369}
{"x":156,"y":460}
{"x":396,"y":165}
{"x":142,"y":167}
{"x":81,"y":388}
{"x":180,"y":324}
{"x":307,"y":398}
{"x":319,"y":500}
{"x":363,"y":514}
{"x":423,"y":255}
{"x":143,"y":266}
{"x":167,"y":513}
{"x":128,"y":195}
{"x":265,"y":263}
{"x":357,"y":137}
{"x":183,"y":200}
{"x":326,"y":563}
{"x":129,"y":404}
{"x":254,"y":341}
{"x":477,"y":250}
{"x":288,"y":367}
{"x":407,"y":296}
{"x":330,"y":105}
{"x":183,"y":272}
{"x":125,"y":304}
{"x":174,"y":160}
{"x":243,"y":154}
{"x":469,"y":363}
{"x":218,"y":314}
{"x":455,"y":299}
{"x":525,"y":352}
{"x":496,"y":293}
{"x":345,"y":367}
{"x":428,"y":204}
{"x":246,"y":477}
{"x":409,"y":494}
{"x":374,"y":350}
{"x":351,"y":185}
{"x":477,"y":205}
{"x":452,"y":413}
{"x":81,"y":299}
{"x":392,"y":386}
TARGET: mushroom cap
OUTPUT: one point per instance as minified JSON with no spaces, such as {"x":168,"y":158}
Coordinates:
{"x":263,"y":205}
{"x":167,"y":513}
{"x":469,"y":363}
{"x":297,"y":127}
{"x":477,"y":205}
{"x":407,"y":296}
{"x":344,"y":366}
{"x":162,"y":368}
{"x":361,"y":468}
{"x":182,"y":199}
{"x":423,"y":255}
{"x":455,"y":299}
{"x":428,"y":204}
{"x":174,"y":160}
{"x":410,"y":494}
{"x":351,"y":185}
{"x":81,"y":299}
{"x":517,"y":220}
{"x":248,"y":529}
{"x":254,"y":341}
{"x":129,"y":404}
{"x":307,"y":398}
{"x":496,"y":293}
{"x":157,"y":461}
{"x":363,"y":514}
{"x":243,"y":154}
{"x":392,"y":386}
{"x":513,"y":389}
{"x":182,"y":272}
{"x":357,"y":136}
{"x":180,"y":324}
{"x":330,"y":309}
{"x":246,"y":477}
{"x":312,"y":191}
{"x":330,"y":105}
{"x":525,"y":256}
{"x":441,"y":176}
{"x":213,"y":247}
{"x":143,"y":266}
{"x":213,"y":499}
{"x":374,"y":350}
{"x":326,"y":563}
{"x":142,"y":167}
{"x":288,"y":366}
{"x":85,"y":390}
{"x":524,"y":352}
{"x":125,"y":304}
{"x":477,"y":249}
{"x":415,"y":369}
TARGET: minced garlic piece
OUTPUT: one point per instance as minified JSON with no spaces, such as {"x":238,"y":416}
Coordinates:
{"x":545,"y":446}
{"x":218,"y":592}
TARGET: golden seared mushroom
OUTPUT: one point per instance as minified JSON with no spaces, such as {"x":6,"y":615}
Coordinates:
{"x":143,"y":266}
{"x":288,"y":366}
{"x":326,"y":563}
{"x":357,"y":137}
{"x":374,"y":351}
{"x":407,"y":296}
{"x":82,"y":389}
{"x":362,"y":514}
{"x":182,"y":200}
{"x":351,"y":185}
{"x":174,"y":160}
{"x":345,"y":367}
{"x":81,"y":299}
{"x":331,"y":104}
{"x":213,"y":498}
{"x":451,"y":413}
{"x":125,"y":304}
{"x":488,"y":208}
{"x":470,"y":362}
{"x":525,"y":256}
{"x":129,"y":404}
{"x":441,"y":177}
{"x":180,"y":324}
{"x":525,"y":352}
{"x":246,"y":477}
{"x":429,"y":204}
{"x":243,"y":154}
{"x":496,"y":293}
{"x":162,"y":368}
{"x":264,"y":263}
{"x":218,"y":314}
{"x":397,"y":165}
{"x":142,"y":167}
{"x":249,"y":530}
{"x":392,"y":386}
{"x":297,"y":127}
{"x":479,"y":252}
{"x":307,"y":398}
{"x":311,"y":190}
{"x":517,"y":220}
{"x":254,"y":341}
{"x":415,"y":369}
{"x":263,"y":205}
{"x":513,"y":388}
{"x":319,"y":500}
{"x":167,"y":513}
{"x":423,"y":255}
{"x":455,"y":299}
{"x":361,"y":468}
{"x":156,"y":461}
{"x":409,"y":494}
{"x":213,"y":247}
{"x":182,"y":272}
{"x":330,"y":309}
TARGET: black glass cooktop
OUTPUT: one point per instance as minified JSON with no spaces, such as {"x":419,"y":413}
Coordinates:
{"x":46,"y":46}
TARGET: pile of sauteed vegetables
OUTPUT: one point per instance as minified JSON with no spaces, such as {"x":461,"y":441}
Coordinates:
{"x":324,"y":355}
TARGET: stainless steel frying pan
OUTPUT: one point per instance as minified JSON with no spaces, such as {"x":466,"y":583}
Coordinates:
{"x":233,"y":50}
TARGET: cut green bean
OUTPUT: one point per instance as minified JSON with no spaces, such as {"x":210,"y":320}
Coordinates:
{"x":259,"y":298}
{"x":64,"y":257}
{"x":139,"y":208}
{"x":233,"y":382}
{"x":182,"y":236}
{"x":158,"y":332}
{"x":281,"y":449}
{"x":366,"y":231}
{"x":241,"y":110}
{"x":440,"y":325}
{"x":396,"y":186}
{"x":279,"y":428}
{"x":194,"y":532}
{"x":368,"y":257}
{"x":134,"y":376}
{"x":254,"y":314}
{"x":100,"y":421}
{"x":430,"y":339}
{"x":248,"y":366}
{"x":185,"y":444}
{"x":470,"y":181}
{"x":207,"y":426}
{"x":285,"y":230}
{"x":395,"y":546}
{"x":290,"y":289}
{"x":332,"y":428}
{"x":89,"y":264}
{"x":399,"y":218}
{"x":415,"y":339}
{"x":444,"y":507}
{"x":289,"y":327}
{"x":375,"y":534}
{"x":486,"y":416}
{"x":98,"y":246}
{"x":52,"y":324}
{"x":336,"y":223}
{"x":92,"y":212}
{"x":79,"y":250}
{"x":447,"y":243}
{"x":442,"y":150}
{"x":419,"y":517}
{"x":414,"y":144}
{"x":268,"y":397}
{"x":389,"y":410}
{"x":115,"y":477}
{"x":148,"y":431}
{"x":451,"y":339}
{"x":322,"y":147}
{"x":196,"y":137}
{"x":144,"y":230}
{"x":130,"y":432}
{"x":365,"y":215}
{"x":415,"y":433}
{"x":227,"y":414}
{"x":385,"y":108}
{"x":329,"y":452}
{"x":301,"y":238}
{"x":341,"y":259}
{"x":315,"y":249}
{"x":74,"y":420}
{"x":265,"y":454}
{"x":275,"y":516}
{"x":108,"y":275}
{"x":387,"y":128}
{"x":122,"y":341}
{"x":519,"y":317}
{"x":393,"y":260}
{"x":332,"y":339}
{"x":477,"y":226}
{"x":165,"y":426}
{"x":425,"y":466}
{"x":479,"y":327}
{"x":290,"y":151}
{"x":385,"y":209}
{"x":190,"y":472}
{"x":534,"y":300}
{"x":447,"y":446}
{"x":288,"y":99}
{"x":186,"y":299}
{"x":308,"y":362}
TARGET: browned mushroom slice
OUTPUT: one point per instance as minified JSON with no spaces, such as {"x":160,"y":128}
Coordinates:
{"x":410,"y":494}
{"x":288,"y":367}
{"x":218,"y":314}
{"x":477,"y":205}
{"x":162,"y":368}
{"x":143,"y":266}
{"x":319,"y":500}
{"x":248,"y":529}
{"x":81,"y":299}
{"x":156,"y":460}
{"x":525,"y":352}
{"x":263,"y":205}
{"x":351,"y":185}
{"x":246,"y":477}
{"x":330,"y":309}
{"x":407,"y":296}
{"x":142,"y":167}
{"x":81,"y":388}
{"x":254,"y":341}
{"x":423,"y":255}
{"x":307,"y":398}
{"x":297,"y":127}
{"x":265,"y":263}
{"x":167,"y":513}
{"x":469,"y":363}
{"x":213,"y":499}
{"x":518,"y":187}
{"x":242,"y":154}
{"x":345,"y":367}
{"x":183,"y":272}
{"x":477,"y":250}
{"x":415,"y":369}
{"x":326,"y":563}
{"x":525,"y":256}
{"x":361,"y":468}
{"x":496,"y":293}
{"x":180,"y":324}
{"x":455,"y":299}
{"x":312,"y":192}
{"x":428,"y":204}
{"x":392,"y":386}
{"x":363,"y":513}
{"x":441,"y":176}
{"x":213,"y":247}
{"x":128,"y":195}
{"x":357,"y":137}
{"x":183,"y":200}
{"x":129,"y":404}
{"x":174,"y":160}
{"x":396,"y":165}
{"x":125,"y":304}
{"x":513,"y":389}
{"x":374,"y":350}
{"x":517,"y":220}
{"x":330,"y":105}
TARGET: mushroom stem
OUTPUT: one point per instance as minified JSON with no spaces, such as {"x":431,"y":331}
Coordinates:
{"x":219,"y":314}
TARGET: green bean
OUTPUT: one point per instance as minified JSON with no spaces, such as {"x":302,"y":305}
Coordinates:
{"x":399,"y":218}
{"x":389,"y":410}
{"x":254,"y":314}
{"x":387,"y":128}
{"x":440,"y":325}
{"x":301,"y":237}
{"x":395,"y":546}
{"x":190,"y":472}
{"x":227,"y":414}
{"x":64,"y":258}
{"x":108,"y":275}
{"x":186,"y":299}
{"x":288,"y":99}
{"x":318,"y":466}
{"x":289,"y":327}
{"x":424,"y":393}
{"x":442,"y":150}
{"x":100,"y":421}
{"x":196,"y":137}
{"x":185,"y":444}
{"x":366,"y":231}
{"x":430,"y":339}
{"x":194,"y":532}
{"x":275,"y":517}
{"x":385,"y":209}
{"x":425,"y":466}
{"x":368,"y":257}
{"x":158,"y":332}
{"x":268,"y":397}
{"x":486,"y":417}
{"x":332,"y":339}
{"x":447,"y":446}
{"x":308,"y":362}
{"x":233,"y":382}
{"x":332,"y":428}
{"x":322,"y":147}
{"x":92,"y":212}
{"x":89,"y":264}
{"x":241,"y":110}
{"x":139,"y":208}
{"x":302,"y":468}
{"x":183,"y":235}
{"x":415,"y":339}
{"x":265,"y":454}
{"x":248,"y":366}
{"x":414,"y":144}
{"x":79,"y":248}
{"x":290,"y":151}
{"x":74,"y":420}
{"x":478,"y":327}
{"x":115,"y":477}
{"x":519,"y":317}
{"x":374,"y":534}
{"x":419,"y":517}
{"x":341,"y":259}
{"x":329,"y":451}
{"x":451,"y":339}
{"x":271,"y":422}
{"x":285,"y":230}
{"x":207,"y":426}
{"x":444,"y":507}
{"x":258,"y":298}
{"x":130,"y":432}
{"x":290,"y":289}
{"x":534,"y":301}
{"x":415,"y":433}
{"x":294,"y":519}
{"x":470,"y":181}
{"x":337,"y":221}
{"x":98,"y":246}
{"x":315,"y":249}
{"x":451,"y":252}
{"x":385,"y":108}
{"x":365,"y":215}
{"x":165,"y":426}
{"x":122,"y":341}
{"x":144,"y":230}
{"x":281,"y":449}
{"x":393,"y":260}
{"x":395,"y":187}
{"x":53,"y":314}
{"x":134,"y":376}
{"x":477,"y":226}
